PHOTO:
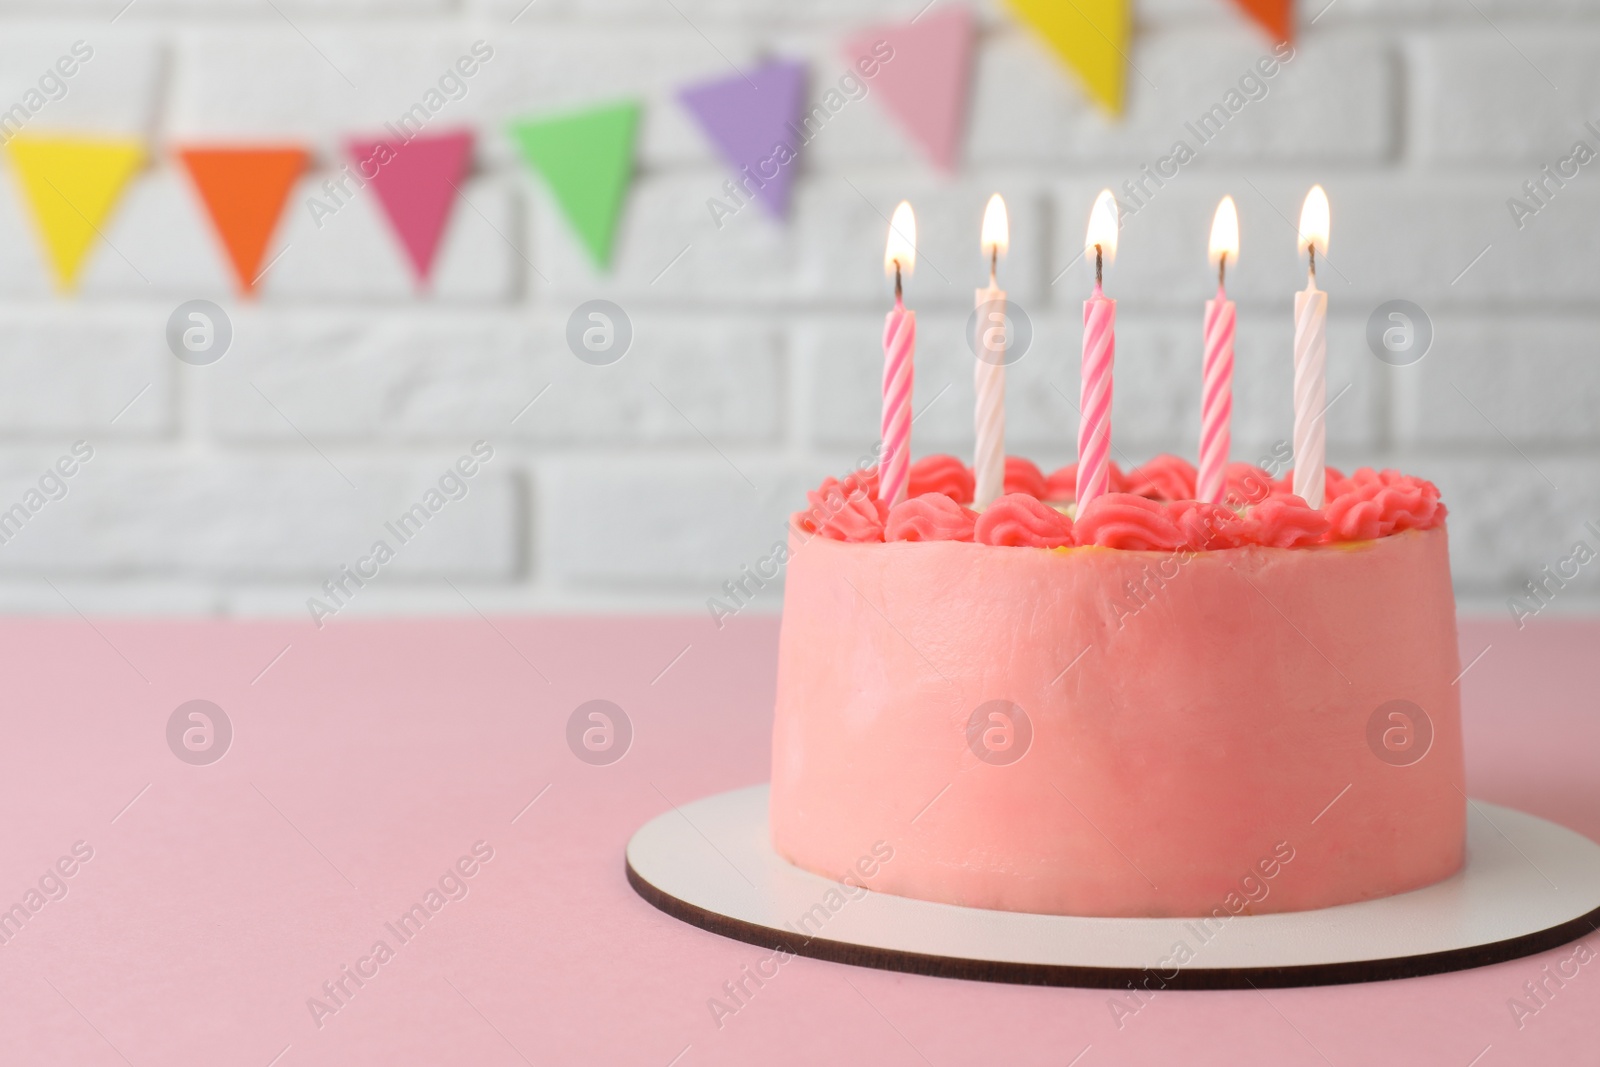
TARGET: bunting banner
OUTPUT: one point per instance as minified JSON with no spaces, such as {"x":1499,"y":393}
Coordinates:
{"x":922,"y":76}
{"x":1090,"y":36}
{"x":757,"y":121}
{"x":750,"y":119}
{"x":586,"y":158}
{"x":1274,"y":16}
{"x":417,"y":185}
{"x":244,"y":188}
{"x":71,"y":185}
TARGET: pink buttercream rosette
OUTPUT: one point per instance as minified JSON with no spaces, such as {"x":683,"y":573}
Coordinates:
{"x":1149,"y":508}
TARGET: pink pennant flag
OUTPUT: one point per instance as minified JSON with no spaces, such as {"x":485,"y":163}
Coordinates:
{"x":924,"y":83}
{"x":416,"y":182}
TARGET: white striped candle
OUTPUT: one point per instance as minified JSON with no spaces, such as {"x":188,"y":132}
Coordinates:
{"x":1311,"y":358}
{"x":989,"y":377}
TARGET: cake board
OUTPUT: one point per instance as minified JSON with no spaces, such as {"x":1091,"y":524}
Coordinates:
{"x":1528,"y":885}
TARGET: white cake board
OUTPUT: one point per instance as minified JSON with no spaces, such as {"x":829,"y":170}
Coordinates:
{"x":1528,"y":885}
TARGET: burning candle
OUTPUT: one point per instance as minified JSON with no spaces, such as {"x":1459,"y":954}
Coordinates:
{"x":989,"y":460}
{"x":1311,"y":357}
{"x":1099,"y":349}
{"x":1216,"y":390}
{"x":899,"y":346}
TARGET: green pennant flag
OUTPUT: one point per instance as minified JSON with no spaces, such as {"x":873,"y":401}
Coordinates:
{"x":587,"y":159}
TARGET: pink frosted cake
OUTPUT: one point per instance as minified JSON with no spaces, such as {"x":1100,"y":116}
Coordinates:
{"x":1154,"y":708}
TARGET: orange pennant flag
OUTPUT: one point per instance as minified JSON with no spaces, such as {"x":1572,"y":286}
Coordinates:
{"x":244,"y":189}
{"x":1274,"y":16}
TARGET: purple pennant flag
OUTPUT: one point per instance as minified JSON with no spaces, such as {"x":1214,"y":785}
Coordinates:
{"x":750,"y":118}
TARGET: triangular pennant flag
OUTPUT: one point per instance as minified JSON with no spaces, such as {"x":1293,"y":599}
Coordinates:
{"x":587,"y":159}
{"x":1091,"y":36}
{"x":417,"y":183}
{"x":244,"y":188}
{"x":1274,"y":16}
{"x":72,"y":183}
{"x":749,"y":117}
{"x":924,"y":81}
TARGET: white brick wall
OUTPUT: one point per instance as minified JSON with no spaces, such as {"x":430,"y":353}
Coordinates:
{"x":240,"y":487}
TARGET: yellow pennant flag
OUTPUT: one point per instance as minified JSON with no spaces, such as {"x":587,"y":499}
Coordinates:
{"x":1091,"y":36}
{"x":72,"y":183}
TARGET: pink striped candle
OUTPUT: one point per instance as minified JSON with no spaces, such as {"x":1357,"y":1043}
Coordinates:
{"x":1099,"y":352}
{"x":899,"y":346}
{"x":1216,"y":390}
{"x":899,"y":350}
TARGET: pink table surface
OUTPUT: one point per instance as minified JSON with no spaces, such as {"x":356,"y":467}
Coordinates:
{"x":369,"y":756}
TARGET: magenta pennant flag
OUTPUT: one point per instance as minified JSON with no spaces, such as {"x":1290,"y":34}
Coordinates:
{"x":751,"y":120}
{"x":416,"y":181}
{"x":923,"y":82}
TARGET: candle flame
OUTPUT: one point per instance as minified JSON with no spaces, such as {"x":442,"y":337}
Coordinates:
{"x":1102,"y":226}
{"x":902,"y":246}
{"x":1314,"y":221}
{"x":1225,"y":232}
{"x":996,"y":236}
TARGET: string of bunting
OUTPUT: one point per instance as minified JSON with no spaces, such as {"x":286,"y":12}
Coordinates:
{"x":757,"y":122}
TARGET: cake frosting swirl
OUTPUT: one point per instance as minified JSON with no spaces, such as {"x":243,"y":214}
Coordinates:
{"x":1150,"y":508}
{"x":930,"y":517}
{"x":1018,"y":519}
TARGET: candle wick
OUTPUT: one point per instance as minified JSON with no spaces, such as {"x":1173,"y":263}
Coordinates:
{"x":1222,"y":269}
{"x":1099,"y":264}
{"x":1312,"y":249}
{"x":994,"y":264}
{"x":897,"y":293}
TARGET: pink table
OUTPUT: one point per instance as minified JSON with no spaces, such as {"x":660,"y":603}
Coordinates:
{"x":368,"y":757}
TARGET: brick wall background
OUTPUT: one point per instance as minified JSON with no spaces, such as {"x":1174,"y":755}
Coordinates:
{"x":239,"y":487}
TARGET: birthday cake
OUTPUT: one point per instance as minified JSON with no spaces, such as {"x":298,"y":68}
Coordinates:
{"x":1149,"y":707}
